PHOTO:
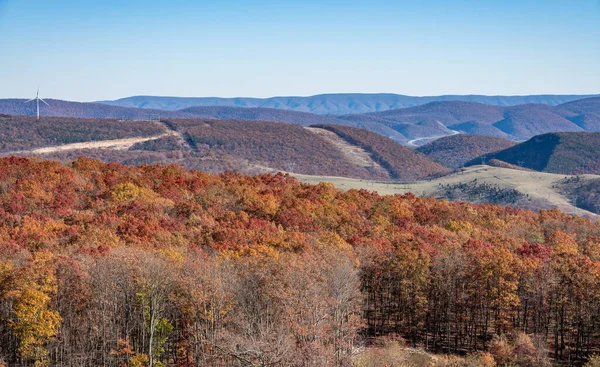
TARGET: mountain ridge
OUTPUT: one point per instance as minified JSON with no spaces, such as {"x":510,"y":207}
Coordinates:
{"x":410,"y":126}
{"x":563,"y":153}
{"x":336,"y":104}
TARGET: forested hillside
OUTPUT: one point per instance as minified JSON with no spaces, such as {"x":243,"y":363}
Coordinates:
{"x":518,"y":122}
{"x":567,"y":153}
{"x":259,"y":114}
{"x":102,"y":264}
{"x":584,"y":193}
{"x":402,"y":163}
{"x":60,"y":108}
{"x":23,"y":132}
{"x":403,"y":123}
{"x":456,"y":150}
{"x":278,"y":146}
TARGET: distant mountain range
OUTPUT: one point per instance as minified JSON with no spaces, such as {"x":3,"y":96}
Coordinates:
{"x":335,"y":104}
{"x":413,"y":126}
{"x":519,"y":122}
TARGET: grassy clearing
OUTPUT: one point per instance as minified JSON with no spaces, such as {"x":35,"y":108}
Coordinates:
{"x":540,"y":187}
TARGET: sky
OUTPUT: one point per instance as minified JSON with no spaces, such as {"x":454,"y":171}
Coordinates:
{"x":97,"y":50}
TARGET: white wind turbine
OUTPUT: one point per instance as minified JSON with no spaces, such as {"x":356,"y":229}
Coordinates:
{"x":38,"y":99}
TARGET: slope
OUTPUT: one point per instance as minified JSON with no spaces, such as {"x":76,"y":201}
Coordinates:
{"x":272,"y":145}
{"x":259,"y":114}
{"x":402,"y":163}
{"x":24,"y":132}
{"x":566,"y":153}
{"x":84,"y":110}
{"x":516,"y":122}
{"x":581,"y":106}
{"x":523,"y":122}
{"x":456,"y":150}
{"x":539,"y":190}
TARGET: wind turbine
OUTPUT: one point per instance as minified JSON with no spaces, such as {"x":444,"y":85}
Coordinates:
{"x":38,"y":99}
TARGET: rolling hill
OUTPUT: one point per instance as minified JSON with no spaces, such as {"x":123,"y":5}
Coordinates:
{"x":60,"y":108}
{"x":212,"y":145}
{"x":536,"y":190}
{"x":456,"y":150}
{"x":25,"y":132}
{"x":259,"y":114}
{"x":565,"y":153}
{"x":281,"y":146}
{"x":411,"y":126}
{"x":582,"y":106}
{"x":403,"y":163}
{"x":588,"y":121}
{"x":335,"y":104}
{"x":519,"y":122}
{"x":585,"y":193}
{"x":523,"y":122}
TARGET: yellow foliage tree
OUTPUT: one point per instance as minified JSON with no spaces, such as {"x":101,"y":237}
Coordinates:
{"x":33,"y":321}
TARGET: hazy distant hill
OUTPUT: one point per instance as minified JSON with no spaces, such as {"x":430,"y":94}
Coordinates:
{"x":525,"y":121}
{"x":566,"y":153}
{"x":587,"y":121}
{"x":581,"y":106}
{"x":83,"y":110}
{"x":260,"y":114}
{"x":413,"y":125}
{"x":456,"y":150}
{"x":335,"y":104}
{"x":448,"y":113}
{"x":515,"y":122}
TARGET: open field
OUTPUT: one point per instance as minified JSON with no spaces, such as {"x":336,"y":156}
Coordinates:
{"x":539,"y":186}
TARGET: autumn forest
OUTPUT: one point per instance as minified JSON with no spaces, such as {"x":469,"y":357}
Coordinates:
{"x":107,"y":265}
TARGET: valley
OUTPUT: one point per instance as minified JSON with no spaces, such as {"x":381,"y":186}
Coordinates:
{"x":420,"y":141}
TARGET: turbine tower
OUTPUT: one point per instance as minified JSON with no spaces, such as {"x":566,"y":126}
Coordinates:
{"x":37,"y":99}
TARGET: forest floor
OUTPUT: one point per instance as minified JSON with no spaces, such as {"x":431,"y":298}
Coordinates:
{"x":542,"y":188}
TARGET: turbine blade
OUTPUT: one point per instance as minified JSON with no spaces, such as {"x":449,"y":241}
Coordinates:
{"x":44,"y":101}
{"x":33,"y":99}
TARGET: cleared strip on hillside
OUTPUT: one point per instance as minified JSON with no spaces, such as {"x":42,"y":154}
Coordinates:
{"x":353,"y":153}
{"x":402,"y":163}
{"x":116,"y":144}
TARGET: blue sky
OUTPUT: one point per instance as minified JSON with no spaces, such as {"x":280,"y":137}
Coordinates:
{"x":92,"y":50}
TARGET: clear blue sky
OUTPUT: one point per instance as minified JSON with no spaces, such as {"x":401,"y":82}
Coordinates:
{"x":91,"y":50}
